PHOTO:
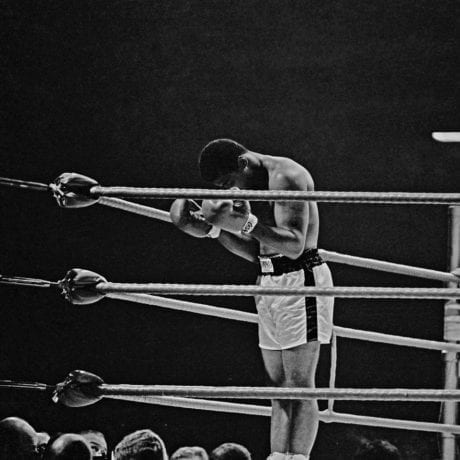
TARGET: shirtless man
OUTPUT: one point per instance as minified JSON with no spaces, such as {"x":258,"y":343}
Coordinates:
{"x":281,"y":237}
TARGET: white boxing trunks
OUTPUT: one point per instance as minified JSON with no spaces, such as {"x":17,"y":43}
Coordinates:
{"x":288,"y":321}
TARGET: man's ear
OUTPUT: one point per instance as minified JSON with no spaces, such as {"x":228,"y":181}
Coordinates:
{"x":242,"y":163}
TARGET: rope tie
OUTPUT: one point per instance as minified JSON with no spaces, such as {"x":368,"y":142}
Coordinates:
{"x":30,"y":282}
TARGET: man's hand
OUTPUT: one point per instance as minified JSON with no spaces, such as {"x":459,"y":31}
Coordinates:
{"x":187,"y":216}
{"x":226,"y":214}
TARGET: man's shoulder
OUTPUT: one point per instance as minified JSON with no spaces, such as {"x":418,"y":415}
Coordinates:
{"x":287,"y":173}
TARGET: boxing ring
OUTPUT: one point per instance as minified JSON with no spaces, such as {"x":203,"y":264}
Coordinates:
{"x":85,"y":287}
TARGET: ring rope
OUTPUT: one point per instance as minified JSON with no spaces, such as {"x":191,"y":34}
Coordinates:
{"x":247,"y":409}
{"x":97,"y":191}
{"x":325,"y":416}
{"x":191,"y":307}
{"x":135,"y":208}
{"x":232,"y":392}
{"x":278,"y":195}
{"x":333,"y":369}
{"x":380,"y":265}
{"x":304,"y":291}
{"x":228,"y":313}
{"x":327,"y":255}
{"x":391,"y":339}
{"x":162,"y":215}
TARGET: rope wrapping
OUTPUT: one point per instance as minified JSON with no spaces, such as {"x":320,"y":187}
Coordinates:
{"x":24,"y":184}
{"x":30,"y":282}
{"x":305,"y":291}
{"x":279,"y":195}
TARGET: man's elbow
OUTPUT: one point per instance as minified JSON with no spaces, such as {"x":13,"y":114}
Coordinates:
{"x":294,"y":249}
{"x":293,"y":254}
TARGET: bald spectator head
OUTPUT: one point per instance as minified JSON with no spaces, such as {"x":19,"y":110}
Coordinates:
{"x":190,"y":453}
{"x":68,"y":447}
{"x":97,"y":442}
{"x":18,"y":440}
{"x":141,"y":445}
{"x":230,"y":451}
{"x":377,"y":450}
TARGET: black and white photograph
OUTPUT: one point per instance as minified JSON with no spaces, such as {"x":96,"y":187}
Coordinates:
{"x":230,"y":230}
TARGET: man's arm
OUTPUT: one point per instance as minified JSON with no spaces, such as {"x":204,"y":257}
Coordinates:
{"x":186,"y":216}
{"x":288,"y":234}
{"x":240,"y":245}
{"x":291,"y":217}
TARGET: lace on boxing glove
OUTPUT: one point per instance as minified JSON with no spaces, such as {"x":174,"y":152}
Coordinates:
{"x":250,"y":224}
{"x":214,"y":232}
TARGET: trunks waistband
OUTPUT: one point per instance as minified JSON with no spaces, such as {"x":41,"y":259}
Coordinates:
{"x":277,"y":265}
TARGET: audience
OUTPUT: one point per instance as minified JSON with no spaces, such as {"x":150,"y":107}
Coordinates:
{"x":230,"y":451}
{"x":190,"y":453}
{"x":18,"y":440}
{"x":140,"y":445}
{"x":68,"y":446}
{"x":377,"y":450}
{"x":97,"y":442}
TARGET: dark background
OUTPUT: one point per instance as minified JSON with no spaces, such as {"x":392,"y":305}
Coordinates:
{"x":128,"y":92}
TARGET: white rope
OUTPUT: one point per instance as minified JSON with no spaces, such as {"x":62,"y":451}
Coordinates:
{"x":390,"y":423}
{"x":190,"y":307}
{"x":238,"y":392}
{"x":135,"y":208}
{"x":395,"y":339}
{"x":264,"y":411}
{"x":278,"y":195}
{"x":351,"y":292}
{"x":330,"y":256}
{"x":333,"y":369}
{"x":198,"y":404}
{"x":227,"y":313}
{"x":374,"y":264}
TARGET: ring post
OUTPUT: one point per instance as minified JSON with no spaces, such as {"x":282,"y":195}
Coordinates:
{"x":451,"y":334}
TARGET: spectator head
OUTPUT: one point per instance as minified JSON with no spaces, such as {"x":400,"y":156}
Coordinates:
{"x":141,"y":445}
{"x":230,"y":451}
{"x":68,"y":446}
{"x":97,"y":442}
{"x":377,"y":450}
{"x":18,"y":440}
{"x":43,"y":439}
{"x":190,"y":453}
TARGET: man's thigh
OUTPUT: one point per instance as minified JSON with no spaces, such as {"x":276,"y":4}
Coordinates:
{"x":299,"y":364}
